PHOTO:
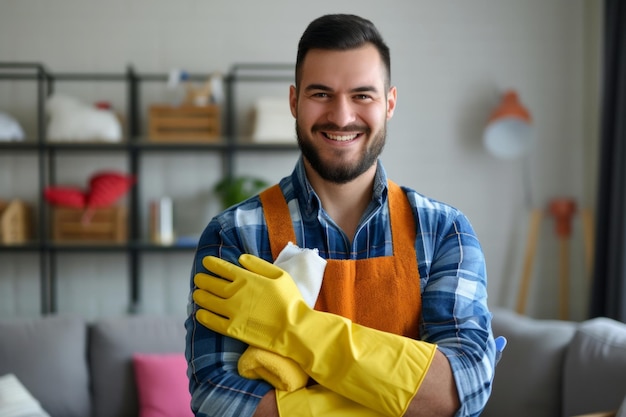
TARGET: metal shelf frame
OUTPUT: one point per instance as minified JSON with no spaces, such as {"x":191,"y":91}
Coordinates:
{"x":134,"y":146}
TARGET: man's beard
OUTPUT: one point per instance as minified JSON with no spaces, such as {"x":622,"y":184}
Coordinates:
{"x":341,"y":174}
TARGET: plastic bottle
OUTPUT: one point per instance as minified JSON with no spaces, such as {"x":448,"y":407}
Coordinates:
{"x":176,"y":89}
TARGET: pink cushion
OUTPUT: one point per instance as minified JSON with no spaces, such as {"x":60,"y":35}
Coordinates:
{"x":162,"y":385}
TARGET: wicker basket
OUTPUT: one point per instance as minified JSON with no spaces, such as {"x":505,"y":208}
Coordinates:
{"x":97,"y":225}
{"x":184,"y":123}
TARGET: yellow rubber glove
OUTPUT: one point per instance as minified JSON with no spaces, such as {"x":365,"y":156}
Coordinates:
{"x":307,"y":269}
{"x":318,"y":401}
{"x":260,"y":305}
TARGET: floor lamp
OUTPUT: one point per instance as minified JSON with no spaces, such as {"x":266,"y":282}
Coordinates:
{"x":509,"y":135}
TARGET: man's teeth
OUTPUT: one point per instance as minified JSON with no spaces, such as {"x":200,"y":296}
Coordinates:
{"x":341,"y":138}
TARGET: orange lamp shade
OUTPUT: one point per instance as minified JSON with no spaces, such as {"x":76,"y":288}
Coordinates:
{"x":508,"y":133}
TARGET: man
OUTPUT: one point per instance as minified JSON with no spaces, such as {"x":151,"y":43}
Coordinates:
{"x":401,"y":325}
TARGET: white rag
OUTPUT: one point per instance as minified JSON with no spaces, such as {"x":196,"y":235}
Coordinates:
{"x":306,"y":267}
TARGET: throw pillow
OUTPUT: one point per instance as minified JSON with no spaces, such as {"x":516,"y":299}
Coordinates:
{"x":16,"y":400}
{"x":162,"y":385}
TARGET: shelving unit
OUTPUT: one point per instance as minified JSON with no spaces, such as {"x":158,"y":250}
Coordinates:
{"x":134,"y":148}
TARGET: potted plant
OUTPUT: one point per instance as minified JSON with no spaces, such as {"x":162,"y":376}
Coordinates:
{"x":232,"y":190}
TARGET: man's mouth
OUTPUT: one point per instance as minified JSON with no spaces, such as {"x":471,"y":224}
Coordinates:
{"x":341,"y":138}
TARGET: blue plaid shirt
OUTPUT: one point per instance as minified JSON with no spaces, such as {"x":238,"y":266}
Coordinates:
{"x":453,"y":284}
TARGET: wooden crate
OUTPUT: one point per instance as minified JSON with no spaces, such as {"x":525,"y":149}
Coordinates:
{"x":82,"y":225}
{"x":15,"y":222}
{"x":184,"y":123}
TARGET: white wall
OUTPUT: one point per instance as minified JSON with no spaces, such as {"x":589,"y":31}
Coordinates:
{"x":451,"y":61}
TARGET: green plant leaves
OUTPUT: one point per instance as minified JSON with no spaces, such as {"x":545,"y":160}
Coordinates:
{"x":233,"y":190}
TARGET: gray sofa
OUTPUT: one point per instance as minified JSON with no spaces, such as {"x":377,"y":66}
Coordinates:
{"x":80,"y":369}
{"x":553,"y":368}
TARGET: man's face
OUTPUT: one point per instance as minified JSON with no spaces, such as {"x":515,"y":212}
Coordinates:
{"x":341,"y":110}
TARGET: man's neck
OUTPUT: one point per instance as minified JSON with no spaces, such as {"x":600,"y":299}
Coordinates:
{"x":344,"y":203}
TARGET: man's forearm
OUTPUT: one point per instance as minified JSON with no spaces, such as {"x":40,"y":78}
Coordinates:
{"x":267,"y":407}
{"x":437,"y":396}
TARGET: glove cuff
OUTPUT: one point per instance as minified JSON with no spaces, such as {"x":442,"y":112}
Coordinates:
{"x":357,"y":361}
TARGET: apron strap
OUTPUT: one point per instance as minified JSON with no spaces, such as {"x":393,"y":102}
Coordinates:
{"x":276,"y":213}
{"x":401,"y":214}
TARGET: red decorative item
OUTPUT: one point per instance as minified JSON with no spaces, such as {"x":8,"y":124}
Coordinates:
{"x":65,"y":196}
{"x":102,"y":105}
{"x":105,"y":188}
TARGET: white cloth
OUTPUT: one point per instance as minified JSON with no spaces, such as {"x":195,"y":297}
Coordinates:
{"x":16,"y":400}
{"x":306,"y":267}
{"x":10,"y":129}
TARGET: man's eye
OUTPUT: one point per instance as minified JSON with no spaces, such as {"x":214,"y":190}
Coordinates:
{"x":320,"y":95}
{"x":362,"y":97}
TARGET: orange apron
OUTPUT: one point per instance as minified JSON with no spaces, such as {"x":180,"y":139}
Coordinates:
{"x":381,"y":293}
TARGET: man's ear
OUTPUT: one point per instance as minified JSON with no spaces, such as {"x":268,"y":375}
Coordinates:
{"x":392,"y":96}
{"x":293,"y":101}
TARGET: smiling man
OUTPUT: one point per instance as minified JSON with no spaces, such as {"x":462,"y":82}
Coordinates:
{"x":344,"y":99}
{"x":401,"y":324}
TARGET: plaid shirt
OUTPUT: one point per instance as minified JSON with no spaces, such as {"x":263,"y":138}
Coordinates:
{"x":453,"y":284}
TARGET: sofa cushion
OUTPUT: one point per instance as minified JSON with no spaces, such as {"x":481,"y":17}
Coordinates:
{"x":528,"y":378}
{"x":49,"y":357}
{"x":113,"y":342}
{"x":594,"y":377}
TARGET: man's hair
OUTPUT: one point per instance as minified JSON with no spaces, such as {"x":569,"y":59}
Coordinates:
{"x":341,"y":32}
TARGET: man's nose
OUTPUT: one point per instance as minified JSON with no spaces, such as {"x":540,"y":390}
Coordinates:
{"x":341,"y":111}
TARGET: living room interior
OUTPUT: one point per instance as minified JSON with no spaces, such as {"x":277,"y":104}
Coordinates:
{"x":452,"y":62}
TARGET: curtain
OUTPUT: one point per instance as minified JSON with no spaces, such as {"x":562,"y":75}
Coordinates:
{"x":608,"y":294}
